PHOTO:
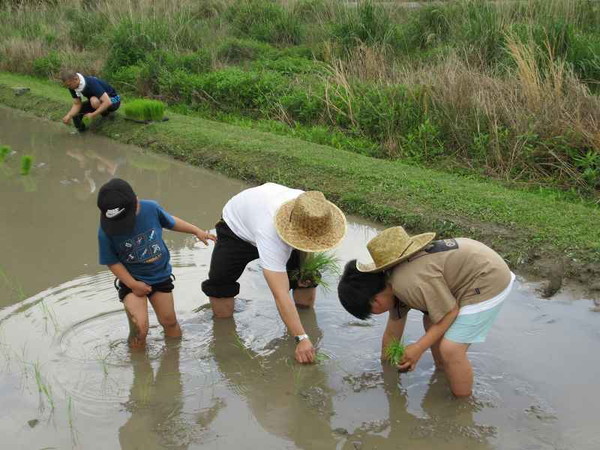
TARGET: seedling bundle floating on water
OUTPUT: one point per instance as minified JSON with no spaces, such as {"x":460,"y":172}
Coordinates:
{"x":4,"y":152}
{"x":314,"y":267}
{"x":145,"y":110}
{"x":26,"y":163}
{"x":394,"y":352}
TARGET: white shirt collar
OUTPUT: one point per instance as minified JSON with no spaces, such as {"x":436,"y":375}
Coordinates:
{"x":79,"y":89}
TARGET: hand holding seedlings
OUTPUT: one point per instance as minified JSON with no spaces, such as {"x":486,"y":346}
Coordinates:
{"x":412,"y":354}
{"x":313,"y":268}
{"x":394,"y":352}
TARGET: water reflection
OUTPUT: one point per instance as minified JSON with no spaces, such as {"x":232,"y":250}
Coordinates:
{"x":287,"y":399}
{"x":446,"y":422}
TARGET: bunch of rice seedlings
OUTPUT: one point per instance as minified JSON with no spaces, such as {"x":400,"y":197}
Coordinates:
{"x":314,"y":267}
{"x":143,"y":109}
{"x":86,"y":120}
{"x":26,"y":163}
{"x":394,"y":352}
{"x":4,"y":152}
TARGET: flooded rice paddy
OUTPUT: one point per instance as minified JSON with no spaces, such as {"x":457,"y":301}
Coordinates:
{"x":68,"y":380}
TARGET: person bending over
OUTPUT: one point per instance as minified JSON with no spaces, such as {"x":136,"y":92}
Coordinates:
{"x":459,"y":285}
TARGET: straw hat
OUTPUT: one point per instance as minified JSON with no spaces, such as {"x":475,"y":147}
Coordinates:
{"x":392,"y":246}
{"x":310,"y":223}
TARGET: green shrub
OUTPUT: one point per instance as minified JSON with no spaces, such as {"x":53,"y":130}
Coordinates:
{"x":265,"y":21}
{"x":367,"y":23}
{"x":290,"y":65}
{"x":126,"y":78}
{"x":248,"y":92}
{"x":47,"y":66}
{"x":143,"y":109}
{"x":87,"y":29}
{"x":132,"y":42}
{"x":238,"y":50}
{"x":303,"y":106}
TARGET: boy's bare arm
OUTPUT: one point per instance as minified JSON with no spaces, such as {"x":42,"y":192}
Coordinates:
{"x":185,"y":227}
{"x":393,"y":330}
{"x":139,"y":288}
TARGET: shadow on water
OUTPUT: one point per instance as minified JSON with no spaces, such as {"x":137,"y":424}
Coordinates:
{"x":71,"y":381}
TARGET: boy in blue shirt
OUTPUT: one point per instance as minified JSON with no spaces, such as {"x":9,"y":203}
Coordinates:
{"x":131,"y":245}
{"x":102,"y":99}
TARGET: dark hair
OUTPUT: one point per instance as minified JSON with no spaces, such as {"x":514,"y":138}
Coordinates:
{"x":357,"y":289}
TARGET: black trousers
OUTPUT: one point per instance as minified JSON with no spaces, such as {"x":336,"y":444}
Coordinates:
{"x":230,"y":257}
{"x":86,"y":107}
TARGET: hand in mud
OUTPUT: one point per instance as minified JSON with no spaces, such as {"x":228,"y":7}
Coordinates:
{"x":412,"y":354}
{"x":305,"y":352}
{"x":66,"y":119}
{"x":205,"y":236}
{"x":141,"y":289}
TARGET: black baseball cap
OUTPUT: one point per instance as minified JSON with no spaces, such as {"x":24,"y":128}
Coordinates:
{"x":118,"y":205}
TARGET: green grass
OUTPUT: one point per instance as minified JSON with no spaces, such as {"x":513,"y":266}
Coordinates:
{"x":525,"y":227}
{"x":394,"y":352}
{"x":143,"y":109}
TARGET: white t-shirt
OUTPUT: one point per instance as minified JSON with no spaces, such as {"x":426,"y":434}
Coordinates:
{"x":250,"y":215}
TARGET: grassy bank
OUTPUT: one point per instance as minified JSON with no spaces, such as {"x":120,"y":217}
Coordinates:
{"x":527,"y":228}
{"x":504,"y":89}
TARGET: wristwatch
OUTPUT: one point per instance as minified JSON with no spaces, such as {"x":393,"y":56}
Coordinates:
{"x":300,"y":338}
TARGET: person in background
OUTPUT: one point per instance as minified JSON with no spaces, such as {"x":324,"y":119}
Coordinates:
{"x":101,"y":98}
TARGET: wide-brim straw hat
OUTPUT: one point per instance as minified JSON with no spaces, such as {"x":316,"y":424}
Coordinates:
{"x":391,"y":247}
{"x":310,"y":223}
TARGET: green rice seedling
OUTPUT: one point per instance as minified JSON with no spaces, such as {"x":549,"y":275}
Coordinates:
{"x":44,"y":389}
{"x":86,"y":120}
{"x":144,"y":109}
{"x":4,"y":152}
{"x":394,"y":352}
{"x":314,"y":267}
{"x":26,"y":163}
{"x":321,"y":357}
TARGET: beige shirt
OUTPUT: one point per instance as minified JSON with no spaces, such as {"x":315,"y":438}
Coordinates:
{"x":446,"y":273}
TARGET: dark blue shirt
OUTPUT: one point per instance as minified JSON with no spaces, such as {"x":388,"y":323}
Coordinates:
{"x":143,"y":252}
{"x":95,"y":87}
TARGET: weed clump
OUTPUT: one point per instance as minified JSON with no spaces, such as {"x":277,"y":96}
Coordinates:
{"x":314,"y":267}
{"x":394,"y":352}
{"x":143,"y":109}
{"x":26,"y":163}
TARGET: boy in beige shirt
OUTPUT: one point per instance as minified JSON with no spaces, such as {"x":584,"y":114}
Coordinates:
{"x":459,"y":284}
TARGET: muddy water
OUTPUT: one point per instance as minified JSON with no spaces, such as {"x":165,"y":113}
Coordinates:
{"x":67,"y":379}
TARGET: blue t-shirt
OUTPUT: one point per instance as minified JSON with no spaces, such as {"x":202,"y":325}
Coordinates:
{"x":95,"y":87}
{"x":143,"y":252}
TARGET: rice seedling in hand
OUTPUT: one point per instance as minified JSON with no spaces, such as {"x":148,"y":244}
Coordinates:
{"x":4,"y":152}
{"x":394,"y":352}
{"x":143,"y":109}
{"x":26,"y":163}
{"x":313,"y":269}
